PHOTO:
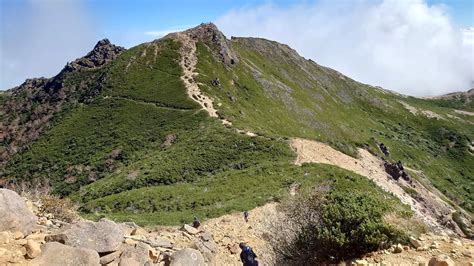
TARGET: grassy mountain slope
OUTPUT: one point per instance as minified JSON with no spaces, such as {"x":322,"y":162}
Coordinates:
{"x":132,"y":145}
{"x":275,"y":92}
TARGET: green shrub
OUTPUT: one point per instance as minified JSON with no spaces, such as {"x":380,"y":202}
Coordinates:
{"x":333,"y":226}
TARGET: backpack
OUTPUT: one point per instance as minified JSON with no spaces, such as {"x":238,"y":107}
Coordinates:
{"x":248,"y":257}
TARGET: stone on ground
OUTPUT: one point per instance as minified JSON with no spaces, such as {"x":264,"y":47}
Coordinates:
{"x":15,"y":215}
{"x":33,"y":249}
{"x":415,"y":242}
{"x":57,"y":254}
{"x":189,"y":229}
{"x":139,"y":252}
{"x":102,"y":236}
{"x":187,"y":257}
{"x":106,"y":259}
{"x":441,"y":260}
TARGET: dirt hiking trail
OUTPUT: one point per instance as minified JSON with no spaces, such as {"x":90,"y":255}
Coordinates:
{"x":188,"y":64}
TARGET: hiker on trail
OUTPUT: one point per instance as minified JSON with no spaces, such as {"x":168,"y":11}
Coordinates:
{"x":216,"y":82}
{"x":384,"y":149}
{"x":247,"y":256}
{"x":400,"y":165}
{"x":196,"y":223}
{"x":246,"y":216}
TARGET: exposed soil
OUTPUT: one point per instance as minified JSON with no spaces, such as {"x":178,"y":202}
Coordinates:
{"x":231,"y":229}
{"x":188,"y":64}
{"x":416,"y":111}
{"x":428,"y":206}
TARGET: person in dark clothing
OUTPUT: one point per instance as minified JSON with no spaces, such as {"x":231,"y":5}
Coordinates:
{"x":384,"y":149}
{"x":400,"y":165}
{"x":247,"y":256}
{"x":246,"y":216}
{"x":196,"y":223}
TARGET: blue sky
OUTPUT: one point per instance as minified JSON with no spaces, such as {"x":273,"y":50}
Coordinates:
{"x":38,"y":37}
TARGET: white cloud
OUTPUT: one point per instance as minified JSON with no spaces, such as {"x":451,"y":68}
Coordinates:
{"x":407,"y":46}
{"x":161,"y":33}
{"x":468,"y":36}
{"x":40,"y":37}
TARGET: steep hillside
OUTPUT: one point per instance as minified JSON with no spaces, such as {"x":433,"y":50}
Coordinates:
{"x":196,"y":124}
{"x":29,"y":109}
{"x":274,"y":92}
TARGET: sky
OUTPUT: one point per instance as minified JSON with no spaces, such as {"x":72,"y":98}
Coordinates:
{"x":416,"y":47}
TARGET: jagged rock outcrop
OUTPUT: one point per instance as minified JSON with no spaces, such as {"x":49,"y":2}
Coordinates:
{"x":14,"y":214}
{"x":40,"y":99}
{"x":211,"y":35}
{"x":103,"y":52}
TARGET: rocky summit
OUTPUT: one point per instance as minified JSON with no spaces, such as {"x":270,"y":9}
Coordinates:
{"x":152,"y":155}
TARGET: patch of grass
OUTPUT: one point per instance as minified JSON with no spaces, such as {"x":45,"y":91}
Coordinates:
{"x":197,"y":154}
{"x":150,"y":72}
{"x":223,"y":192}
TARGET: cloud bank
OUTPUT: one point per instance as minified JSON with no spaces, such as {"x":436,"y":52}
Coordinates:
{"x":407,"y":46}
{"x":38,"y":40}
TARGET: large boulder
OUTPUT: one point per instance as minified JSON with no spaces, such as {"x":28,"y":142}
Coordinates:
{"x":54,"y":253}
{"x":15,"y":215}
{"x":102,"y":236}
{"x":441,"y":260}
{"x":187,"y":257}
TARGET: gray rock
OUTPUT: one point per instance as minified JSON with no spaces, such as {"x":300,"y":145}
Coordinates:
{"x":128,"y":228}
{"x":102,"y":236}
{"x":106,"y":259}
{"x":15,"y":215}
{"x":139,"y":252}
{"x":190,"y":230}
{"x":54,"y":253}
{"x":208,"y":248}
{"x":187,"y":257}
{"x":206,"y":236}
{"x":156,"y":242}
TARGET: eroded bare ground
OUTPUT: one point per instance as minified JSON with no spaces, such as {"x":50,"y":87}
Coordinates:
{"x":229,"y":230}
{"x":416,"y":111}
{"x":428,"y":206}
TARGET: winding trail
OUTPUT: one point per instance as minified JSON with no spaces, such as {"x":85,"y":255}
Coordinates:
{"x":188,"y":64}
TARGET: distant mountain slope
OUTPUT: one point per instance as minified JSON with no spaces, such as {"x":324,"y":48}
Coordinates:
{"x":28,"y":109}
{"x":120,"y":131}
{"x":459,"y":100}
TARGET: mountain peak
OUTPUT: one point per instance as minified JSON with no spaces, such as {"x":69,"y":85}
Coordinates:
{"x":103,"y":42}
{"x":209,"y":34}
{"x":103,"y":52}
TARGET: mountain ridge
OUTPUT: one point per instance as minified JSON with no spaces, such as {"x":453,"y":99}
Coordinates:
{"x":97,"y":133}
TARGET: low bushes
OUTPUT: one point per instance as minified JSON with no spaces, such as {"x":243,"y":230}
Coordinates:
{"x":333,"y":225}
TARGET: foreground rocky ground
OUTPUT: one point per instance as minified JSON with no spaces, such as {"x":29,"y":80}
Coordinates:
{"x":31,"y":236}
